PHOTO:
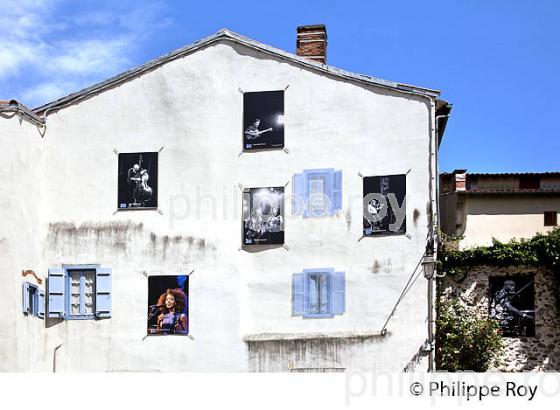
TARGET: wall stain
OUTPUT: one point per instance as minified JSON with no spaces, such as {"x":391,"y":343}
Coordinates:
{"x":376,"y":267}
{"x":128,"y":238}
{"x":320,"y":354}
{"x":348,"y":219}
{"x":415,"y":216}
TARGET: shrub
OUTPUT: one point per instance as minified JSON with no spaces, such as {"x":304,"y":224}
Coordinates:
{"x":465,"y":342}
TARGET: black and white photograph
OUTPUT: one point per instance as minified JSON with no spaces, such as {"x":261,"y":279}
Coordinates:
{"x":512,"y":304}
{"x":384,"y":212}
{"x":138,"y":180}
{"x":263,"y":216}
{"x":263,"y":120}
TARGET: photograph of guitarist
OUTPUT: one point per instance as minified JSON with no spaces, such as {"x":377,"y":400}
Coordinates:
{"x":252,"y":132}
{"x":138,"y":180}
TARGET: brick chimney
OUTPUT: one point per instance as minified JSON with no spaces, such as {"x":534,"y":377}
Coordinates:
{"x":312,"y":42}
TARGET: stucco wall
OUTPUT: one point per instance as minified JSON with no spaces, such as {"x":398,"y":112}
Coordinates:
{"x":192,"y":108}
{"x":21,"y":234}
{"x":505,"y":217}
{"x":541,"y":352}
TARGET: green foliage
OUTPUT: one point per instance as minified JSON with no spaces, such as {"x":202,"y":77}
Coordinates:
{"x":465,"y":342}
{"x":541,"y":250}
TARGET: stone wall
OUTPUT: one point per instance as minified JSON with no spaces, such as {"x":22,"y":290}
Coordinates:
{"x":538,"y":353}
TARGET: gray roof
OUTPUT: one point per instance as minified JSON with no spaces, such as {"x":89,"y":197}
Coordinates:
{"x":227,"y":35}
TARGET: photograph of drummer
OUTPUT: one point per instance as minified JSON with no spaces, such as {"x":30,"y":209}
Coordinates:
{"x":512,"y":304}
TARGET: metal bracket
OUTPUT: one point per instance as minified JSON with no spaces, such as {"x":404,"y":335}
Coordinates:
{"x":240,"y":90}
{"x":161,"y":149}
{"x":285,"y":247}
{"x":286,"y":150}
{"x":360,"y":175}
{"x":116,"y":152}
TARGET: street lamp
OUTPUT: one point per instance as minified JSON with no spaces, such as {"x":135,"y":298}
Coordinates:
{"x":428,"y":265}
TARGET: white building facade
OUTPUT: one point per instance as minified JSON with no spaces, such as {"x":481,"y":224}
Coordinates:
{"x":59,"y":207}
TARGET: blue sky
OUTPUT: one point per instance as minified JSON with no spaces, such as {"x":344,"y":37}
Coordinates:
{"x":497,"y":61}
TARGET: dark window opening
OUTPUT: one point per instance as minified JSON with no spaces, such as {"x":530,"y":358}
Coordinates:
{"x":551,"y":218}
{"x":529,"y":182}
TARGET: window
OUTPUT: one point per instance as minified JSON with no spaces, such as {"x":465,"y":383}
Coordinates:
{"x":529,"y":182}
{"x":318,"y":293}
{"x":317,"y":192}
{"x":33,"y":300}
{"x":550,"y":218}
{"x":79,"y":292}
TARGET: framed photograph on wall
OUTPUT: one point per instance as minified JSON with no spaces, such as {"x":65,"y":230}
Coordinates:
{"x":263,"y":120}
{"x":263,"y":216}
{"x":384,"y":205}
{"x":512,"y":304}
{"x":138,"y":180}
{"x":168,"y":305}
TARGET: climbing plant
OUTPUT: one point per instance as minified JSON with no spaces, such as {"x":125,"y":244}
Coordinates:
{"x":542,"y":250}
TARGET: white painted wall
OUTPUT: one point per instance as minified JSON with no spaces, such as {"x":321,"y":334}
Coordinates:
{"x":192,"y":108}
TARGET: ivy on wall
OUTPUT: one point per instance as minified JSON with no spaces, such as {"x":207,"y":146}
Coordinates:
{"x":541,"y":250}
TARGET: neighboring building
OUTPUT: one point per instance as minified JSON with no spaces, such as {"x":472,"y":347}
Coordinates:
{"x":480,"y":206}
{"x":87,"y":238}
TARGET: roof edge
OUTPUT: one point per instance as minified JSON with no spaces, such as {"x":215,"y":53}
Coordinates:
{"x":226,"y":34}
{"x":14,"y":107}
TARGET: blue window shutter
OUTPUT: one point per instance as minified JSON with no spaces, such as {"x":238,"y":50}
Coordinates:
{"x":103,"y":285}
{"x":337,"y":192}
{"x":298,"y":194}
{"x":338,"y":293}
{"x":298,"y":302}
{"x":41,"y":303}
{"x":25,"y":297}
{"x":56,"y":293}
{"x":329,"y":189}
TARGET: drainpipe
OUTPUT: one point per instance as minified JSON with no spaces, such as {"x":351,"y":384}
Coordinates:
{"x":54,"y":358}
{"x":433,"y":240}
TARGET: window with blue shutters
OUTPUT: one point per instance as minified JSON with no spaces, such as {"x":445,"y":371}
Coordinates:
{"x":79,"y":292}
{"x":318,"y":293}
{"x":30,"y":300}
{"x":317,"y":192}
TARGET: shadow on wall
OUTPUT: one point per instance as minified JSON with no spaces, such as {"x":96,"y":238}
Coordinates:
{"x":530,"y":204}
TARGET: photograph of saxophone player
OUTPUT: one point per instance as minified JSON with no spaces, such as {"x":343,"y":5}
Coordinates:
{"x":168,"y":315}
{"x":137,"y":180}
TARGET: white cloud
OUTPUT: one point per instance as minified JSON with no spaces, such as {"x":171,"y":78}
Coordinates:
{"x":85,"y":57}
{"x":46,"y":92}
{"x":48,"y":52}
